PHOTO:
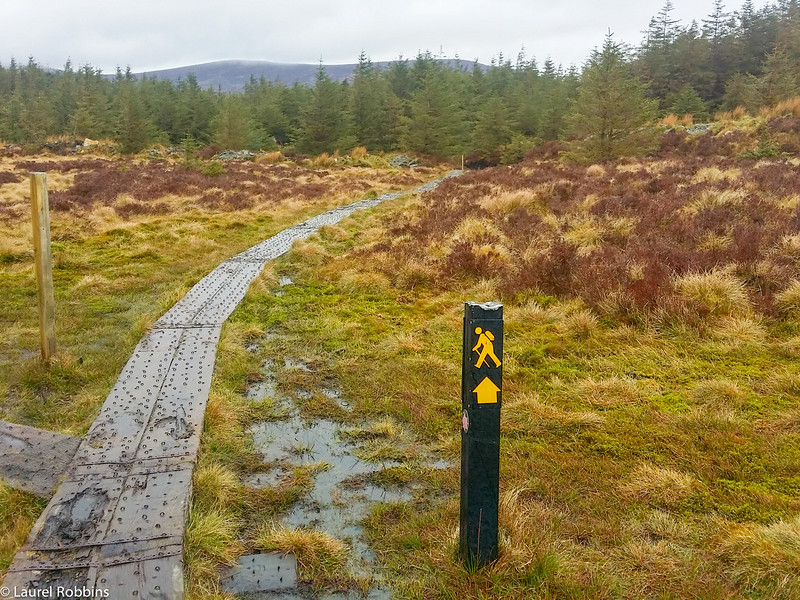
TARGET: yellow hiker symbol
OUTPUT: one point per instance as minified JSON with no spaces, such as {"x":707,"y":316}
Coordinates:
{"x":485,"y":339}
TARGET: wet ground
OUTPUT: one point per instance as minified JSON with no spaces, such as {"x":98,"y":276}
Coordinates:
{"x":344,"y":488}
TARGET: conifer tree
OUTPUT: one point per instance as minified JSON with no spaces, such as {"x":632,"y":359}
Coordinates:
{"x":263,"y":100}
{"x":436,"y":125}
{"x":325,"y":125}
{"x":493,"y":127}
{"x":195,"y":109}
{"x":611,"y":109}
{"x":134,"y":129}
{"x":370,"y":108}
{"x":686,"y":101}
{"x":232,"y":126}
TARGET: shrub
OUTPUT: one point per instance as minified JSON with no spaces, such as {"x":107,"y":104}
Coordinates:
{"x":358,"y":152}
{"x":212,"y":168}
{"x":6,"y":177}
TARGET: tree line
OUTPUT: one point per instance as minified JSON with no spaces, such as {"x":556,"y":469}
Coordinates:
{"x":745,"y":57}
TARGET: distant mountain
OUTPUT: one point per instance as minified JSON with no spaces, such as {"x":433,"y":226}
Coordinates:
{"x":232,"y":75}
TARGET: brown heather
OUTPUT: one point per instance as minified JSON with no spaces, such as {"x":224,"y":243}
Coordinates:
{"x":656,"y":236}
{"x":242,"y":186}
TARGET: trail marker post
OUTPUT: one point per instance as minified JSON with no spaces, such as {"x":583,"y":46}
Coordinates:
{"x":481,"y":398}
{"x":40,"y":215}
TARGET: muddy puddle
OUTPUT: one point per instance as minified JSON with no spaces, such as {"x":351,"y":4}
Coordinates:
{"x":344,"y":488}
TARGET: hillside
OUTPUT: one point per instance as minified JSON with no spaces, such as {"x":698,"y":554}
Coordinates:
{"x":232,"y":75}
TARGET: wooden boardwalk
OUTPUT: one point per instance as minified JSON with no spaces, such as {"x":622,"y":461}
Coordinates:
{"x":117,"y":520}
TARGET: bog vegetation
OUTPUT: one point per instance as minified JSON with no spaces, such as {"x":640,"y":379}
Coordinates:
{"x":650,"y":435}
{"x":129,"y":238}
{"x":650,"y":438}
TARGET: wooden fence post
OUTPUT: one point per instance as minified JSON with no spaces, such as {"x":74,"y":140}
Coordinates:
{"x":40,"y":212}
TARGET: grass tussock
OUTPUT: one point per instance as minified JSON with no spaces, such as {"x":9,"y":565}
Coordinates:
{"x":659,"y":486}
{"x":528,"y":413}
{"x":608,"y":392}
{"x":765,"y":559}
{"x":18,"y":512}
{"x":718,"y":392}
{"x":215,"y":486}
{"x":789,"y":299}
{"x":308,"y":252}
{"x":715,"y":293}
{"x":786,"y":108}
{"x":211,"y":540}
{"x":738,"y":113}
{"x":716,"y":175}
{"x":321,"y":558}
{"x":710,"y":199}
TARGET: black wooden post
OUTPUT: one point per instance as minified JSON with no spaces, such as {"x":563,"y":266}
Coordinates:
{"x":481,"y":397}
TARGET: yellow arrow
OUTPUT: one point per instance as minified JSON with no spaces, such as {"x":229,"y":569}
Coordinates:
{"x":487,"y":391}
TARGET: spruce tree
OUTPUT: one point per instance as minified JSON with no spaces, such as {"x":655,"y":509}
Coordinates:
{"x":325,"y":125}
{"x":611,"y":110}
{"x":686,"y":101}
{"x":493,"y":127}
{"x":371,"y":125}
{"x":437,"y":125}
{"x":134,"y":129}
{"x":232,"y":126}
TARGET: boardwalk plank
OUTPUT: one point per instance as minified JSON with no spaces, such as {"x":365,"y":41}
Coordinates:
{"x":118,"y":520}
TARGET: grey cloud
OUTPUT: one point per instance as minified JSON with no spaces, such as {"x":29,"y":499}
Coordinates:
{"x":152,"y":34}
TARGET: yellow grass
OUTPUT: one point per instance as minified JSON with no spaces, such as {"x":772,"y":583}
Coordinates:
{"x":737,"y":113}
{"x":215,"y":486}
{"x":526,"y":412}
{"x":768,"y":555}
{"x":789,"y":107}
{"x":270,"y":157}
{"x":358,"y":152}
{"x":659,"y":486}
{"x":580,"y":324}
{"x":475,"y":229}
{"x":596,"y":171}
{"x":609,"y":392}
{"x":672,"y":120}
{"x":710,"y":198}
{"x":350,"y":281}
{"x":713,"y":241}
{"x":789,"y":299}
{"x":717,"y":292}
{"x":718,"y":392}
{"x":585,"y":233}
{"x":506,"y":201}
{"x":320,"y":556}
{"x":735,"y":331}
{"x":789,"y":203}
{"x":714,"y":174}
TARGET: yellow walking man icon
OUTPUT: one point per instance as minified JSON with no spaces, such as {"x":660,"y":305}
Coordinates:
{"x":485,"y":339}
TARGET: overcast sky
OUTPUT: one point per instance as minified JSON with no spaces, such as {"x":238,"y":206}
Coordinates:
{"x":154,"y":34}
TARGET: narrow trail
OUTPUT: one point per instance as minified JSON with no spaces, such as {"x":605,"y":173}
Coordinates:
{"x":117,"y":520}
